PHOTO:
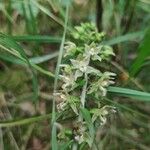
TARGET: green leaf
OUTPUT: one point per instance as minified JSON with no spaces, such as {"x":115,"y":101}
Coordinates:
{"x":47,"y":12}
{"x":137,"y":95}
{"x":13,"y":123}
{"x":86,"y":115}
{"x":126,"y":37}
{"x":37,"y":38}
{"x":33,"y":62}
{"x":29,"y":15}
{"x":73,"y":102}
{"x":144,"y":52}
{"x":12,"y":59}
{"x":17,"y":5}
{"x":66,"y":145}
{"x":44,"y":58}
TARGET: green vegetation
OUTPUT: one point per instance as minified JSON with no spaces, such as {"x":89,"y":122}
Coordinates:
{"x":74,"y":74}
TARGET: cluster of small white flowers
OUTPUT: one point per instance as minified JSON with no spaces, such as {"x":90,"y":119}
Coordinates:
{"x":81,"y":65}
{"x":78,"y":66}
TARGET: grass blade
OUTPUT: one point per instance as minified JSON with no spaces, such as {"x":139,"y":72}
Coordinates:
{"x":144,"y":52}
{"x":41,"y":59}
{"x":37,"y":38}
{"x":13,"y":123}
{"x":86,"y":115}
{"x":126,"y":37}
{"x":54,"y":138}
{"x":11,"y":59}
{"x":33,"y":62}
{"x":137,"y":95}
{"x":1,"y":140}
{"x":47,"y":12}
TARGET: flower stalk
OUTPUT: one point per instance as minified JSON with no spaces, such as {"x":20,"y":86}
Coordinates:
{"x":81,"y":80}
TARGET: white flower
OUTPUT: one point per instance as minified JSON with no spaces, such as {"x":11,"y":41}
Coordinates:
{"x":70,"y":48}
{"x":98,"y":52}
{"x":67,"y":78}
{"x":69,"y":82}
{"x":101,"y":113}
{"x":102,"y":83}
{"x":92,"y":51}
{"x":62,"y":105}
{"x":80,"y":135}
{"x":68,"y":102}
{"x":80,"y":66}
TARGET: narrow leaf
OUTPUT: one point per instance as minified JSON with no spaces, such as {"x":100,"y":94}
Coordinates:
{"x":86,"y":115}
{"x":137,"y":95}
{"x":144,"y":52}
{"x":126,"y":37}
{"x":37,"y":38}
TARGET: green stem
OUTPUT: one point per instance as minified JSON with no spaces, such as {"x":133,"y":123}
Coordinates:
{"x":13,"y":123}
{"x":83,"y":95}
{"x":53,"y":120}
{"x":75,"y":146}
{"x":84,"y":89}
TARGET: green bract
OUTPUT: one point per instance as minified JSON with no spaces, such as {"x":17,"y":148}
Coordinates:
{"x":87,"y":33}
{"x":81,"y":79}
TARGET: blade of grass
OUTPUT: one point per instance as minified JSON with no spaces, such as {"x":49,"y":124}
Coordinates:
{"x":86,"y":115}
{"x":126,"y":37}
{"x":19,"y":122}
{"x":65,"y":145}
{"x":12,"y":59}
{"x":47,"y":12}
{"x":29,"y":16}
{"x":21,"y":61}
{"x":13,"y":141}
{"x":27,"y":137}
{"x":37,"y":38}
{"x":13,"y":123}
{"x":9,"y":10}
{"x":5,"y":114}
{"x":137,"y":95}
{"x":48,"y":73}
{"x":32,"y":18}
{"x":24,"y":6}
{"x":144,"y":52}
{"x":41,"y":59}
{"x":1,"y":140}
{"x":54,"y":138}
